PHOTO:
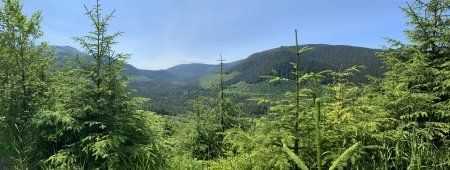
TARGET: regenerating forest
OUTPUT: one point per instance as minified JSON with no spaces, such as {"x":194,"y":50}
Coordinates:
{"x":302,"y":107}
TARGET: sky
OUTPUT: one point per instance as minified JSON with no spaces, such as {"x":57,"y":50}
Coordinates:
{"x":163,"y":33}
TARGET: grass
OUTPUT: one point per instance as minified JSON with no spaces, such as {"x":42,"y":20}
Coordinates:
{"x":209,"y":80}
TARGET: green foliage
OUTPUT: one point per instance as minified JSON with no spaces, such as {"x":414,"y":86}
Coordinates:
{"x":207,"y":141}
{"x":344,"y":157}
{"x":208,"y":81}
{"x":25,"y":73}
{"x":259,"y":147}
{"x":413,"y":96}
{"x":295,"y":126}
{"x":168,"y":98}
{"x":201,"y":141}
{"x":196,"y":70}
{"x":294,"y":157}
{"x":288,"y":119}
{"x":94,"y":122}
{"x":323,"y":57}
{"x":85,"y":116}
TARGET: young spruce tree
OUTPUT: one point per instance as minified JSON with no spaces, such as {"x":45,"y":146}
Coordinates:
{"x":415,"y":91}
{"x":107,"y":128}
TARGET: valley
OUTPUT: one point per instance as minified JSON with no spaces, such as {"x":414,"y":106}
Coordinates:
{"x":245,"y":76}
{"x":289,"y":96}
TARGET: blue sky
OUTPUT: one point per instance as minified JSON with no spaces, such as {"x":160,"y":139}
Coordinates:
{"x":163,"y":33}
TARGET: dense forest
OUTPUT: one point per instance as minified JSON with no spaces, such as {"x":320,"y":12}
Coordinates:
{"x":294,"y":107}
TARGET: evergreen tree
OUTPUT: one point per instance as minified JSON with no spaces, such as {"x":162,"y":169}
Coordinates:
{"x":289,"y":122}
{"x":415,"y":91}
{"x":212,"y":116}
{"x":101,"y":126}
{"x":418,"y":71}
{"x":229,"y":111}
{"x":206,"y":140}
{"x":24,"y":79}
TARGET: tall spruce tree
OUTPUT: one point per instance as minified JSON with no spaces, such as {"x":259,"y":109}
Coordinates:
{"x":105,"y":127}
{"x":415,"y":93}
{"x":419,"y":71}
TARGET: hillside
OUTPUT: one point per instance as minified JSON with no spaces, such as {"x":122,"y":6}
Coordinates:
{"x":170,"y":89}
{"x":322,"y":57}
{"x":246,"y":82}
{"x":196,"y":70}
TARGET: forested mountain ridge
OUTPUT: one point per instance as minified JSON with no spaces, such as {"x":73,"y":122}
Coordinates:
{"x":323,"y":57}
{"x":170,"y":89}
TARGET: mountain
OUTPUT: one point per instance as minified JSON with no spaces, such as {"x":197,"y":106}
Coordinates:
{"x":246,"y":81}
{"x":67,"y":53}
{"x":139,"y":74}
{"x":192,"y":70}
{"x":183,"y":72}
{"x":196,"y":70}
{"x":170,"y":89}
{"x":64,"y":52}
{"x":322,"y":57}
